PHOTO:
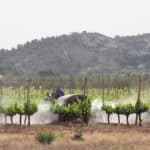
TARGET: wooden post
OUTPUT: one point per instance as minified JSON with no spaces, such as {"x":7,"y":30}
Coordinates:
{"x":108,"y":83}
{"x":28,"y":90}
{"x":103,"y":86}
{"x":117,"y":86}
{"x":139,"y":88}
{"x":25,"y":118}
{"x":28,"y":99}
{"x":128,"y":84}
{"x":1,"y":93}
{"x":1,"y":90}
{"x":71,"y":84}
{"x":84,"y":88}
{"x":138,"y":115}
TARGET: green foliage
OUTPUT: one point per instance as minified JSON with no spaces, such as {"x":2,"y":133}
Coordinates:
{"x":10,"y":95}
{"x":118,"y":109}
{"x":57,"y":109}
{"x":1,"y":108}
{"x":81,"y":108}
{"x":19,"y":108}
{"x":30,"y":108}
{"x":127,"y":109}
{"x":45,"y":137}
{"x":10,"y":110}
{"x":108,"y":109}
{"x":141,"y":107}
{"x":37,"y":95}
{"x":111,"y":94}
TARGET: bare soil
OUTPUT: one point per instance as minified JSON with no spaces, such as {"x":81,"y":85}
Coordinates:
{"x":95,"y":137}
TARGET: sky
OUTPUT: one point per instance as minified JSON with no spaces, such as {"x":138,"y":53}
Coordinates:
{"x":25,"y":20}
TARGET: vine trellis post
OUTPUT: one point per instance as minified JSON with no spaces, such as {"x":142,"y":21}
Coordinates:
{"x":28,"y":101}
{"x":1,"y":90}
{"x":28,"y":90}
{"x":103,"y":86}
{"x":85,"y":84}
{"x":138,"y":115}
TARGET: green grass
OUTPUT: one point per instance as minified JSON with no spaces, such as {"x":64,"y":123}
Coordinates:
{"x":37,"y":95}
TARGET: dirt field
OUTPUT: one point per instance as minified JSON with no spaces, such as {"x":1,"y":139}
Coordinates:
{"x":96,"y":137}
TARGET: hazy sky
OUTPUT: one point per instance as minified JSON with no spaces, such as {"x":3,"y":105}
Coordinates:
{"x":24,"y":20}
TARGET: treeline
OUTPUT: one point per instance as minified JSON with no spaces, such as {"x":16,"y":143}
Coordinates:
{"x":77,"y":53}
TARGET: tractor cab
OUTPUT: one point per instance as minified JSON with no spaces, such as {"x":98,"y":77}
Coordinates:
{"x":55,"y":94}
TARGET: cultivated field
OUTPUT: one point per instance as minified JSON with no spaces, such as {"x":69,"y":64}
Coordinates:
{"x":97,"y":137}
{"x":20,"y":98}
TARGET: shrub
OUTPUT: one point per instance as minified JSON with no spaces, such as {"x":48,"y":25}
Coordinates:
{"x":118,"y":111}
{"x":72,"y":111}
{"x":140,"y":107}
{"x":45,"y":137}
{"x":19,"y":110}
{"x":83,"y":109}
{"x":10,"y":111}
{"x":109,"y":110}
{"x":127,"y":109}
{"x":29,"y":109}
{"x":57,"y":109}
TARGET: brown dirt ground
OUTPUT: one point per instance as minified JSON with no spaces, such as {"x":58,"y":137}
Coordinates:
{"x":95,"y":137}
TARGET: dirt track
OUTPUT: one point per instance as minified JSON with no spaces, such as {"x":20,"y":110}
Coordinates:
{"x":102,"y":128}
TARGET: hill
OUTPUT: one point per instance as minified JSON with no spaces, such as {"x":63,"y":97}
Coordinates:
{"x":78,"y":53}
